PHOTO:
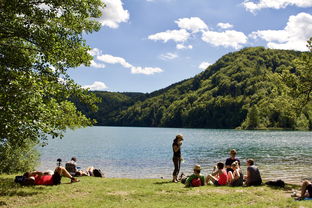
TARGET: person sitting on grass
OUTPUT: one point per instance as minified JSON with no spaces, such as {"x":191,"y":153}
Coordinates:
{"x":235,"y":178}
{"x":219,"y":175}
{"x":45,"y":178}
{"x":253,"y":177}
{"x":71,"y":167}
{"x":306,"y":186}
{"x":196,"y":179}
{"x":231,"y":159}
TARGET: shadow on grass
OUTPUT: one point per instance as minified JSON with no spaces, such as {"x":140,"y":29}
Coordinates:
{"x":9,"y":188}
{"x":163,"y":182}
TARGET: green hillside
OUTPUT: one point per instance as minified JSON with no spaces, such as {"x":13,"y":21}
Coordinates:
{"x":246,"y":89}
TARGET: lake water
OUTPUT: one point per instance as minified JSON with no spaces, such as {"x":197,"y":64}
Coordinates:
{"x":135,"y":152}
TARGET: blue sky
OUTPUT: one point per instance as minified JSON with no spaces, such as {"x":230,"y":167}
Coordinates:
{"x":146,"y":45}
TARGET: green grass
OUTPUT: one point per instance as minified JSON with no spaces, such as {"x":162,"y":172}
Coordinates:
{"x":115,"y":192}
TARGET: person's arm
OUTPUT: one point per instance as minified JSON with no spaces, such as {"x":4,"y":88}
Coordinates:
{"x":247,"y":177}
{"x":216,"y":172}
{"x":176,"y":148}
{"x":188,"y":180}
{"x":36,"y":173}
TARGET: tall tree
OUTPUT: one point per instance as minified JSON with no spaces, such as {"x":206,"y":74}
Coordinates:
{"x":39,"y":41}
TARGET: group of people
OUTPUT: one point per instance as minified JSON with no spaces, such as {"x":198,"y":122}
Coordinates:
{"x":228,"y":173}
{"x":71,"y":171}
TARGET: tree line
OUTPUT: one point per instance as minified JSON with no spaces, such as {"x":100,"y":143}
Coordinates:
{"x":254,"y":88}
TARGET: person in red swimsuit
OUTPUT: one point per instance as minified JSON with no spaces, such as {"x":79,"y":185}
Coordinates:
{"x":43,"y":178}
{"x":219,"y":175}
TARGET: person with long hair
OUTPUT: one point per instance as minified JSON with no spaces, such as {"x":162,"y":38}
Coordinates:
{"x":177,"y":158}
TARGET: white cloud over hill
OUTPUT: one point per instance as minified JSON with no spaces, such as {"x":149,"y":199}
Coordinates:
{"x":109,"y":59}
{"x":251,"y":6}
{"x":294,"y":36}
{"x":96,"y":86}
{"x":204,"y":65}
{"x":229,"y":38}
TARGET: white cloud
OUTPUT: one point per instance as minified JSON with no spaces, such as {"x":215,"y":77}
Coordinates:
{"x":113,"y":14}
{"x":193,"y":24}
{"x":224,"y":25}
{"x":175,"y":35}
{"x":145,"y":70}
{"x":96,"y":86}
{"x":94,"y":52}
{"x":229,"y":38}
{"x":294,"y":36}
{"x":114,"y":60}
{"x":97,"y":65}
{"x":204,"y":65}
{"x":168,"y":56}
{"x":275,"y":4}
{"x":181,"y":46}
{"x":109,"y":59}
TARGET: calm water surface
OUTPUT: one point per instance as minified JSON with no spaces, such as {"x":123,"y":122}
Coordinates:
{"x":135,"y":152}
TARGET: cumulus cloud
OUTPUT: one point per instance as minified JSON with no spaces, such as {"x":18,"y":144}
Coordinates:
{"x":168,"y":56}
{"x":251,"y":6}
{"x":175,"y":35}
{"x":113,"y":14}
{"x":96,"y":86}
{"x":294,"y":36}
{"x":114,"y":60}
{"x":145,"y":70}
{"x":204,"y":65}
{"x":182,"y":46}
{"x":193,"y":24}
{"x":97,"y":65}
{"x":224,"y":25}
{"x":229,"y":38}
{"x":109,"y":59}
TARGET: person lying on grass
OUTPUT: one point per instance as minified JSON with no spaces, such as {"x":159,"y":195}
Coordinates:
{"x":196,"y":179}
{"x":219,"y":175}
{"x":46,"y":178}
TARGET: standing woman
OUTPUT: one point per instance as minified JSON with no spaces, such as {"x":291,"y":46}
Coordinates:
{"x":176,"y":147}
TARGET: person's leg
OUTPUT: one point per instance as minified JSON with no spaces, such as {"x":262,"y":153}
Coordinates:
{"x":304,"y":188}
{"x":176,"y":169}
{"x":211,"y":178}
{"x":230,"y":177}
{"x":63,"y":172}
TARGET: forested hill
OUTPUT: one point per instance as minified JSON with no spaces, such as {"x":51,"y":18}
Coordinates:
{"x":245,"y":89}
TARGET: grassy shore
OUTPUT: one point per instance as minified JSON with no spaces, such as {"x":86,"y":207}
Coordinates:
{"x":115,"y":192}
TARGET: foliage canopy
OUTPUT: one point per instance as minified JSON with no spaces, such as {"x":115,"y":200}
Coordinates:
{"x":39,"y":41}
{"x":254,"y":88}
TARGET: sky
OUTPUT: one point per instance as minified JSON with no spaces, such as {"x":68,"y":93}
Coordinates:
{"x":147,"y":45}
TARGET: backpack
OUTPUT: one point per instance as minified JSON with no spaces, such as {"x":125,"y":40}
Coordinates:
{"x":98,"y":173}
{"x":196,"y":182}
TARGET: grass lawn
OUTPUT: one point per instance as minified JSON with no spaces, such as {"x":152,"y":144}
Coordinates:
{"x":115,"y":192}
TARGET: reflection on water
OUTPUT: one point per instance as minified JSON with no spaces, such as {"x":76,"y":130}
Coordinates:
{"x":146,"y":152}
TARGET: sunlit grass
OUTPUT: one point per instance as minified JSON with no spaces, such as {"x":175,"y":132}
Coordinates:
{"x":115,"y":192}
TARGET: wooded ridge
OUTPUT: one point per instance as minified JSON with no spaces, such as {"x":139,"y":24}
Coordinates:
{"x":248,"y":89}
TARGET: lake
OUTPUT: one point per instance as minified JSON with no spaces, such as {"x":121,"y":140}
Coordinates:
{"x":135,"y":152}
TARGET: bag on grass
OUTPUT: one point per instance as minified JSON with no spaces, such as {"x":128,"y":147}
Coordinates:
{"x":277,"y":183}
{"x":98,"y":173}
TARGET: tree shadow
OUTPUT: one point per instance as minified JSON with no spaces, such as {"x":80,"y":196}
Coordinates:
{"x":9,"y":188}
{"x":163,"y":182}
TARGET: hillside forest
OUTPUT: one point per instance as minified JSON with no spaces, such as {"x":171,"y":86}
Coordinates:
{"x":254,"y":88}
